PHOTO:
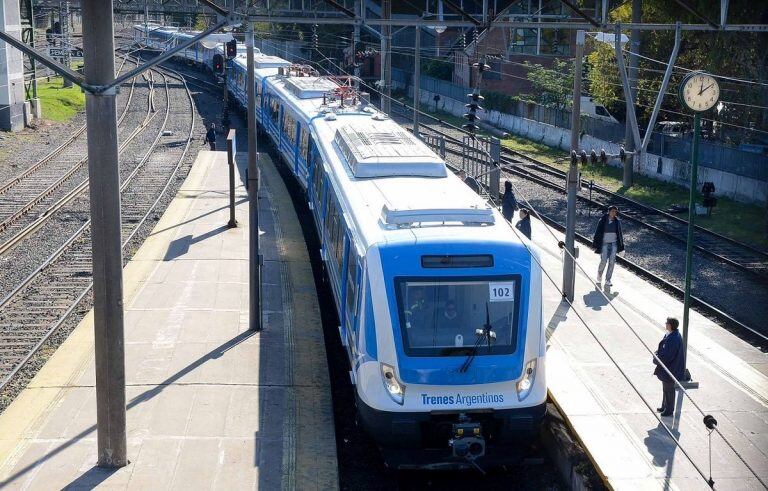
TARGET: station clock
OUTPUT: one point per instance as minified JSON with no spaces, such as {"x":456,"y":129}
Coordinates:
{"x":699,"y":92}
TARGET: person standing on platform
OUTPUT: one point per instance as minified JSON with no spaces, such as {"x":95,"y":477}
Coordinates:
{"x":608,"y":241}
{"x":210,"y":137}
{"x":524,"y":224}
{"x":671,"y":354}
{"x":508,"y":202}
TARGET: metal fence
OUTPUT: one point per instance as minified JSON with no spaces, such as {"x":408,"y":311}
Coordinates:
{"x":712,"y":155}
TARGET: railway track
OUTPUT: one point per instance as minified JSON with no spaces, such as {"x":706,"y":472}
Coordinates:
{"x":51,"y":182}
{"x":43,"y":301}
{"x":553,"y":179}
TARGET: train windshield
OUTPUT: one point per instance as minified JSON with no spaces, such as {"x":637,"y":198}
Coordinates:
{"x":447,"y":316}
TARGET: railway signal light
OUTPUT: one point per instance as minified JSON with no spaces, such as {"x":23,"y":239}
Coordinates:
{"x":232,"y":49}
{"x":218,"y":64}
{"x":593,"y":157}
{"x":603,"y":157}
{"x":583,"y":157}
{"x":474,"y":104}
{"x":622,"y":154}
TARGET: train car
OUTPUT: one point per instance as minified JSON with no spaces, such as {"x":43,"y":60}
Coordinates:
{"x":439,"y":301}
{"x":160,"y":38}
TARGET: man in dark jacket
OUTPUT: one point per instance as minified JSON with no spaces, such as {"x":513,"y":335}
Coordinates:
{"x":671,"y":355}
{"x":508,"y":202}
{"x":608,"y":241}
{"x":210,"y":137}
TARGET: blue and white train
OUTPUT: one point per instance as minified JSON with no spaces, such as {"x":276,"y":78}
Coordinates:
{"x":439,"y":300}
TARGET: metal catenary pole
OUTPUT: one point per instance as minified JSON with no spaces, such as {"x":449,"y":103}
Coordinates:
{"x":689,"y":242}
{"x":254,"y":268}
{"x":569,"y":265}
{"x":356,"y":42}
{"x":634,"y":44}
{"x":386,"y":58}
{"x":416,"y":80}
{"x":99,"y":57}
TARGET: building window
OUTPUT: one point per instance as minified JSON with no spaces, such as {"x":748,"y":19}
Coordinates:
{"x":544,"y":40}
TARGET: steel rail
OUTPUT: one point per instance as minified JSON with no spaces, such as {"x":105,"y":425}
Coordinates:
{"x":78,"y":189}
{"x":34,"y":167}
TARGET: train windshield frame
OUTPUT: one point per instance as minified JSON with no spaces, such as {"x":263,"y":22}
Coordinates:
{"x":441,"y":315}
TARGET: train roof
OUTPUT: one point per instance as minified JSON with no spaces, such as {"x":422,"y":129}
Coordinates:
{"x":392,"y":187}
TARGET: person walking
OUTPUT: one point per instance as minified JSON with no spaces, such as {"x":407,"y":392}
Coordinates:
{"x":210,"y":137}
{"x":508,"y":202}
{"x":671,"y":355}
{"x":524,"y":224}
{"x":608,"y":241}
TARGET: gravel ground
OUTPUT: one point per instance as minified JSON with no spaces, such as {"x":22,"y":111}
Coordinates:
{"x":739,"y":294}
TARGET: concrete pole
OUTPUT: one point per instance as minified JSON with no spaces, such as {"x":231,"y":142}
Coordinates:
{"x":386,"y":57}
{"x":416,"y":80}
{"x":356,"y":41}
{"x":634,"y":47}
{"x":254,"y":263}
{"x":101,"y":114}
{"x":569,"y":263}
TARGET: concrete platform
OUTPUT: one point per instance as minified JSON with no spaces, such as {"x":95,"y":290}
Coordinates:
{"x":613,"y":420}
{"x":210,"y":405}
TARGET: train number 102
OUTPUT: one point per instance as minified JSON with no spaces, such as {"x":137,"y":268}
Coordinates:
{"x":501,"y":292}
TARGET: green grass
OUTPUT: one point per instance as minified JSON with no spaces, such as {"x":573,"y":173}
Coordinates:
{"x":60,"y":104}
{"x":741,"y":221}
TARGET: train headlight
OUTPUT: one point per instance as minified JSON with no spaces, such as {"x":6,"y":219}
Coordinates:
{"x":395,"y":389}
{"x":525,"y":384}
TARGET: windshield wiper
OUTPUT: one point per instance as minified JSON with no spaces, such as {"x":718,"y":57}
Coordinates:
{"x":486,"y":333}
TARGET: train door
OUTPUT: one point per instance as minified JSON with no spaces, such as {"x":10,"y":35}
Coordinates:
{"x":351,"y":298}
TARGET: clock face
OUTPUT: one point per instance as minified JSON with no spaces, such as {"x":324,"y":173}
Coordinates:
{"x":699,"y":92}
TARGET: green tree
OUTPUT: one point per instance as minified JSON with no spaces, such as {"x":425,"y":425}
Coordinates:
{"x":551,"y":86}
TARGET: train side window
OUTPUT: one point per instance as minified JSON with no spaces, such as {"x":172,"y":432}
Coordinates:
{"x":306,"y":140}
{"x":317,"y":188}
{"x":289,"y":127}
{"x":351,"y":284}
{"x":329,"y":213}
{"x":257,"y":91}
{"x":275,"y":111}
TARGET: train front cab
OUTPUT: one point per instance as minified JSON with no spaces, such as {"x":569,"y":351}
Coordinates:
{"x":419,"y":390}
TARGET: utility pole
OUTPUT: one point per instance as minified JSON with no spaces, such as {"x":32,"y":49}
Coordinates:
{"x":689,"y":238}
{"x":356,"y":41}
{"x":634,"y":48}
{"x":386,"y":57}
{"x":254,"y":258}
{"x":103,"y":171}
{"x":416,"y":80}
{"x":569,"y":263}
